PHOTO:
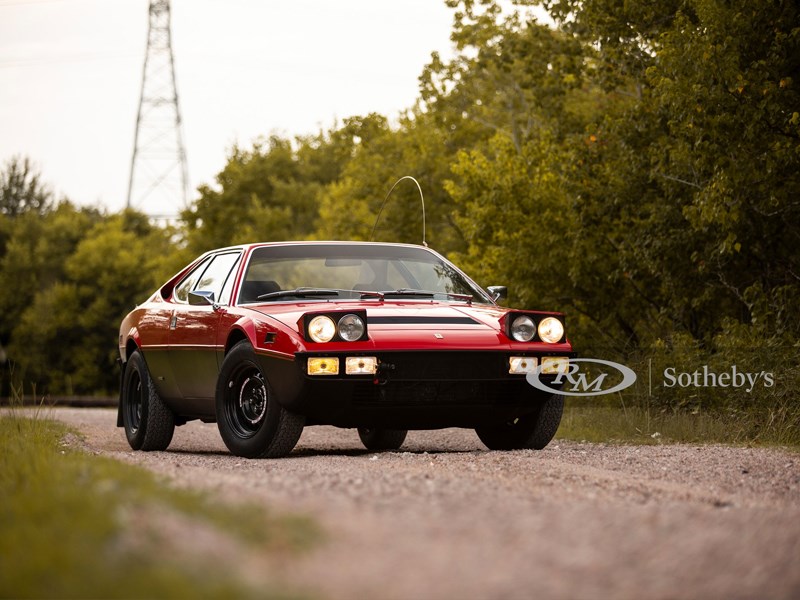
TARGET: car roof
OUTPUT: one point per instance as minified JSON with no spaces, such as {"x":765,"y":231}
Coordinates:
{"x":318,"y":243}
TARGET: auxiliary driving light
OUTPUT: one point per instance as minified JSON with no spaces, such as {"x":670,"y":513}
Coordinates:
{"x":521,"y":364}
{"x":552,"y":365}
{"x":361,"y":365}
{"x":323,"y":366}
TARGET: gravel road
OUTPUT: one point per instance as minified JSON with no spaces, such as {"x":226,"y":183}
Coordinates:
{"x":444,"y":518}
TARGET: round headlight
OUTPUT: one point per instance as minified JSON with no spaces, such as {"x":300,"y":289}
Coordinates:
{"x":551,"y":330}
{"x":351,"y":328}
{"x":321,"y":329}
{"x":523,"y":329}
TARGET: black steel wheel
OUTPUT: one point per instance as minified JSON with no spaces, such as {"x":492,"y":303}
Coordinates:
{"x":246,"y":402}
{"x":251,"y":421}
{"x":382,"y":439}
{"x":533,"y":431}
{"x":149,"y":424}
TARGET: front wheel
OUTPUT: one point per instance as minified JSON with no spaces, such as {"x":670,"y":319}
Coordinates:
{"x":382,"y":439}
{"x":532,"y":431}
{"x":251,"y":421}
{"x":149,"y":423}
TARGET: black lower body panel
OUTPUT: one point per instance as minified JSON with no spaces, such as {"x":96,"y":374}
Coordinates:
{"x":425,"y":404}
{"x":414,"y":390}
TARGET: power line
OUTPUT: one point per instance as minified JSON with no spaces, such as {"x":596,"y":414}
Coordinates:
{"x":22,"y":2}
{"x":37,"y":61}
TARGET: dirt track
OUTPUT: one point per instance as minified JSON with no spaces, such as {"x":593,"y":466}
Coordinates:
{"x":444,"y":518}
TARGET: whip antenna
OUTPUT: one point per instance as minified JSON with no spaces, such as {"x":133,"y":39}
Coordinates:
{"x":422,"y":199}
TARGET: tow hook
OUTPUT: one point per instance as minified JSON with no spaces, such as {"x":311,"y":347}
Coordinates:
{"x":381,"y":375}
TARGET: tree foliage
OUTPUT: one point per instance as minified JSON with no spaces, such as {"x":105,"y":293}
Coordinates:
{"x":21,"y":189}
{"x":72,"y":275}
{"x":272,"y":191}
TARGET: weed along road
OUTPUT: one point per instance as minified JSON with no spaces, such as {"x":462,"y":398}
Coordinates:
{"x":444,"y":518}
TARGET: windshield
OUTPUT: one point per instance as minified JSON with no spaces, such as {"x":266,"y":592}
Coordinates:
{"x":348,"y":269}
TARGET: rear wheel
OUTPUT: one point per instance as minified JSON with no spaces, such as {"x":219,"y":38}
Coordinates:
{"x":382,"y":439}
{"x":149,"y":423}
{"x":251,"y":421}
{"x":532,"y":431}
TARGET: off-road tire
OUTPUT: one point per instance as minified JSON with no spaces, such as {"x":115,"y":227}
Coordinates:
{"x":149,"y":424}
{"x":533,"y":431}
{"x":382,"y":439}
{"x":251,"y":421}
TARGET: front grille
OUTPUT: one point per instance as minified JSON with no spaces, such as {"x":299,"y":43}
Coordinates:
{"x":444,"y":366}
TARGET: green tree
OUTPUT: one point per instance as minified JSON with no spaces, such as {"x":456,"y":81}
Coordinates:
{"x":703,"y":160}
{"x":350,"y":206}
{"x":21,"y":189}
{"x":672,"y":154}
{"x":34,"y":258}
{"x":521,"y":89}
{"x":734,"y":147}
{"x":271,"y":192}
{"x":65,"y":338}
{"x":511,"y":75}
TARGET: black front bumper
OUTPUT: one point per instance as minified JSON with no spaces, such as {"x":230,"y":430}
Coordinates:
{"x":412,"y":390}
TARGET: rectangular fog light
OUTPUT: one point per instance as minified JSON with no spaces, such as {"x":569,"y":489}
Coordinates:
{"x":323,"y":366}
{"x":361,"y":365}
{"x":521,"y":364}
{"x":552,"y":365}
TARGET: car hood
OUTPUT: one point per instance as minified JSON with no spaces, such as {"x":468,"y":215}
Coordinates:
{"x":409,"y":324}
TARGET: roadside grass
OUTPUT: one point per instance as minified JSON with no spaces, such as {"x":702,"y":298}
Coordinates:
{"x":75,"y":525}
{"x":646,"y":425}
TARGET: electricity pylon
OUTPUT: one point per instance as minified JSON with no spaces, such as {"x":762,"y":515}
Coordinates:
{"x":158,"y":180}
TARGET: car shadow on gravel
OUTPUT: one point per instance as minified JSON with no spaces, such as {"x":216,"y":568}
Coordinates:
{"x":318,"y":452}
{"x":199,"y":452}
{"x":312,"y":452}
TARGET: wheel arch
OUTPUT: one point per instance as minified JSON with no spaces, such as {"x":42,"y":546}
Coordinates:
{"x":254,"y":329}
{"x":236,"y":335}
{"x":131,"y":346}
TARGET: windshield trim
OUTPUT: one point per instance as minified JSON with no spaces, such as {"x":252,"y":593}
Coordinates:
{"x":356,"y":249}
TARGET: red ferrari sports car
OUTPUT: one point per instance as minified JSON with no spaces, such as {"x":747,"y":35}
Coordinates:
{"x":265,"y":339}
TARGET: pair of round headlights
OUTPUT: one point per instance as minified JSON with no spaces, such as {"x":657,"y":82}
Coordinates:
{"x":351,"y":328}
{"x":322,"y":328}
{"x":550,"y":329}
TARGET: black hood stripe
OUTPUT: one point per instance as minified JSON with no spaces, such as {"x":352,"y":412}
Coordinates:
{"x":421,"y":320}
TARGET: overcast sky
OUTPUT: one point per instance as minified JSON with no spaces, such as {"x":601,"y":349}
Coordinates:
{"x":70,"y":76}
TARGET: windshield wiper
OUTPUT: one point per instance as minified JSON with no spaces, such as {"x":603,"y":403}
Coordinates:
{"x":427,"y":294}
{"x":309,"y":292}
{"x":304,"y":292}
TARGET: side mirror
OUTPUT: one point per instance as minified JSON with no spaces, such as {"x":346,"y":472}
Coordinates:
{"x":201,"y":298}
{"x":497,"y":292}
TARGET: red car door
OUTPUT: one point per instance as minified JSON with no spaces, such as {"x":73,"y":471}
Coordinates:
{"x":193,"y":338}
{"x":154,"y":330}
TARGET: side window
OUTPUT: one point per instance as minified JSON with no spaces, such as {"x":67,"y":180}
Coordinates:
{"x":225,"y":295}
{"x":216,"y":274}
{"x":181,"y":293}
